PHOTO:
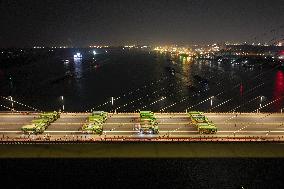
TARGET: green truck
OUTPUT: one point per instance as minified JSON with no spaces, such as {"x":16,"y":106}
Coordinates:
{"x":197,"y":117}
{"x":95,"y":119}
{"x":93,"y":127}
{"x":35,"y":128}
{"x":147,"y":114}
{"x":100,"y":115}
{"x":52,"y":116}
{"x":40,"y":124}
{"x":148,"y":123}
{"x":148,"y":127}
{"x":95,"y":122}
{"x":202,"y":123}
{"x":39,"y":120}
{"x":206,"y":128}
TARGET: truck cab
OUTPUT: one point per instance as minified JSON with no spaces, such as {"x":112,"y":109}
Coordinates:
{"x":36,"y":128}
{"x":100,"y":114}
{"x":202,"y":123}
{"x":146,"y":114}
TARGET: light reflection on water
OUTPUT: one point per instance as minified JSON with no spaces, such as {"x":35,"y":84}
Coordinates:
{"x":96,"y":78}
{"x":278,"y":91}
{"x":78,"y":67}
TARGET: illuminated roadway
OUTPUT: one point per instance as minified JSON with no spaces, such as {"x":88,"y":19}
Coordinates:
{"x":122,"y":125}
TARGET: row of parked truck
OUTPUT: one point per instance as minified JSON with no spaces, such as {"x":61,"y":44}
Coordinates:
{"x":202,"y":123}
{"x":148,"y":123}
{"x":40,"y":124}
{"x":95,"y":122}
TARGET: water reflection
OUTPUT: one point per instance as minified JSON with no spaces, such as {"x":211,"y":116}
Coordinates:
{"x":185,"y":66}
{"x":278,"y":91}
{"x":90,"y":77}
{"x":78,"y":67}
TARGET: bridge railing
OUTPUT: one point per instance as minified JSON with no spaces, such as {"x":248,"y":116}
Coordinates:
{"x":60,"y":140}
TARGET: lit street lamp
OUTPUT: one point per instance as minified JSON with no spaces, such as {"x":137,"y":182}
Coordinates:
{"x":260,"y":106}
{"x":112,"y":102}
{"x":261,"y":98}
{"x":12,"y":103}
{"x":211,"y":101}
{"x":112,"y":99}
{"x":62,"y":100}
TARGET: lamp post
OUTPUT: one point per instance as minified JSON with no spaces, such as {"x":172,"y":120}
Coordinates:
{"x":112,"y":101}
{"x":12,"y":103}
{"x":260,"y":106}
{"x":62,"y":100}
{"x":260,"y":101}
{"x":211,"y":101}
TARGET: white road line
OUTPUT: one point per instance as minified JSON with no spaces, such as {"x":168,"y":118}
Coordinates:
{"x":195,"y":132}
{"x":161,"y":123}
{"x":62,"y":131}
{"x":10,"y":131}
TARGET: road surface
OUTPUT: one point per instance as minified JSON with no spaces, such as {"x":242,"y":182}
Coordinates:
{"x":122,"y":125}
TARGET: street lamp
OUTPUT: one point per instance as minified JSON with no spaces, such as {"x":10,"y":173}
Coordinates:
{"x":211,"y":101}
{"x":112,"y":102}
{"x":261,"y":98}
{"x":260,"y":106}
{"x":112,"y":99}
{"x":12,"y":103}
{"x":62,"y":100}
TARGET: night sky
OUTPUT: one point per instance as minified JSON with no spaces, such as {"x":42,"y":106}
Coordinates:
{"x":27,"y":23}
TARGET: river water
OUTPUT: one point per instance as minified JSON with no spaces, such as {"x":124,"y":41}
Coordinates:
{"x":139,"y":80}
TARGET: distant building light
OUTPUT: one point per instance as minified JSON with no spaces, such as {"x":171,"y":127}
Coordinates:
{"x":78,"y":55}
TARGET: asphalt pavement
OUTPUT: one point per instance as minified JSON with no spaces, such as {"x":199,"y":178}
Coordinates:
{"x":170,"y":125}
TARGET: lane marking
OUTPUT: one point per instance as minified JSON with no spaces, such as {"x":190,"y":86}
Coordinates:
{"x":197,"y":131}
{"x":15,"y":123}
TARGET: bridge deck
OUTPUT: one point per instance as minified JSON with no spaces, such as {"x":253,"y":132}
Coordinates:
{"x":170,"y":125}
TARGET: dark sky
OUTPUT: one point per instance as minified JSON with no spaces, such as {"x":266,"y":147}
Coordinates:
{"x":85,"y":22}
